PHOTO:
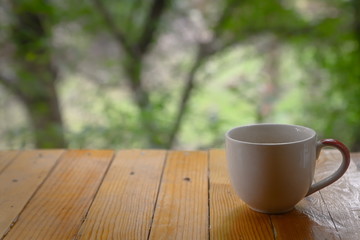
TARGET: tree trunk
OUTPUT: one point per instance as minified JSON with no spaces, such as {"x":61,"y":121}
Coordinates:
{"x":35,"y":81}
{"x":45,"y":117}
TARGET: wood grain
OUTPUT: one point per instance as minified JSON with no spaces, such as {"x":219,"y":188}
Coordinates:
{"x":6,"y":157}
{"x":230,"y":218}
{"x":20,"y":180}
{"x":58,"y":208}
{"x":124,"y":205}
{"x":182,"y":208}
{"x":342,"y":198}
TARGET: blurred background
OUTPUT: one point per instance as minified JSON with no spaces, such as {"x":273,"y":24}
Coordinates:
{"x":175,"y":73}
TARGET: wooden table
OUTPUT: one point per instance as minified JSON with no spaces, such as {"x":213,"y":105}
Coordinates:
{"x":156,"y":194}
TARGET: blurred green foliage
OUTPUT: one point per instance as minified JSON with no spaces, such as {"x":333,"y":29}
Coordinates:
{"x":175,"y":74}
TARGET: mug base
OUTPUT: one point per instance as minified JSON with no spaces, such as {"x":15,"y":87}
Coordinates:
{"x":271,"y":212}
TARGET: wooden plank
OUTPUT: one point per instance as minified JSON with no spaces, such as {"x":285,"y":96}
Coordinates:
{"x":19,"y":181}
{"x":6,"y":157}
{"x":309,"y":220}
{"x":182,"y":208}
{"x":230,"y":218}
{"x":343,"y":197}
{"x":124,"y":205}
{"x":58,"y":208}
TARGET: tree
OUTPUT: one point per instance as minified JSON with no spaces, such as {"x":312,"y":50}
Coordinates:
{"x":228,"y":27}
{"x":30,"y":73}
{"x":314,"y":31}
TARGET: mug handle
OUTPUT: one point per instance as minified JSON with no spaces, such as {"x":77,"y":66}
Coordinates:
{"x":339,"y":172}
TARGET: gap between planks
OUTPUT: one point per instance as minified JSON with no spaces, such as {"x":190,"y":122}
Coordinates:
{"x":124,"y":204}
{"x":182,"y":209}
{"x":6,"y":158}
{"x":96,"y":193}
{"x":157,"y":195}
{"x":58,"y":206}
{"x":46,"y":161}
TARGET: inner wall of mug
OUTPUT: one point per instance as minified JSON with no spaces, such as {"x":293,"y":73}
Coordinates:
{"x":270,"y":133}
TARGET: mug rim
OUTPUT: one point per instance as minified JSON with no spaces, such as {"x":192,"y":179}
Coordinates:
{"x":312,"y":132}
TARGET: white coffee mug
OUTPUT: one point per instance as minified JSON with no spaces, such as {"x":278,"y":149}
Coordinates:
{"x":272,"y":166}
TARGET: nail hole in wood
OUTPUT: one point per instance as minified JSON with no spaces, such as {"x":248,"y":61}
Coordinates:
{"x":187,"y":179}
{"x":132,"y":173}
{"x":14,"y":180}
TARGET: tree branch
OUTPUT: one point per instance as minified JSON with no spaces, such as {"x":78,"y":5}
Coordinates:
{"x":226,"y":13}
{"x":11,"y":84}
{"x":114,"y":30}
{"x":189,"y":86}
{"x":151,"y":24}
{"x":131,"y":14}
